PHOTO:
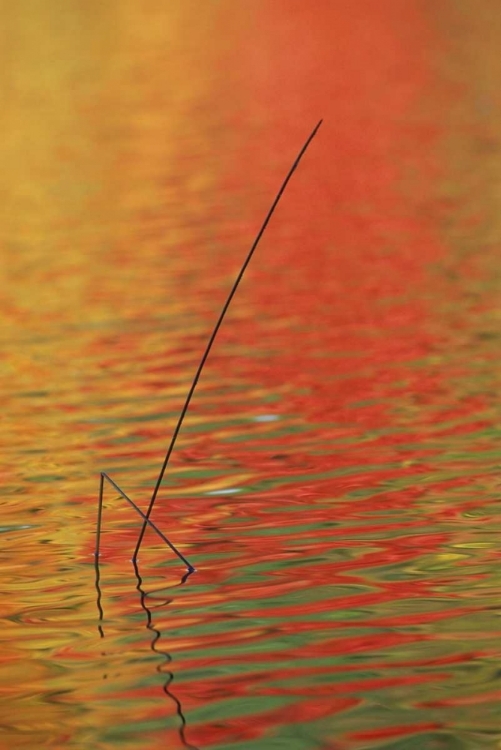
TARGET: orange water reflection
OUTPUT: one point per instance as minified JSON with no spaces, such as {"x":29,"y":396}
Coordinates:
{"x":336,"y":483}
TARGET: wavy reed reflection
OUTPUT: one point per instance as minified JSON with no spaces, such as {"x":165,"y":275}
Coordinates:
{"x":167,"y":658}
{"x":157,"y":635}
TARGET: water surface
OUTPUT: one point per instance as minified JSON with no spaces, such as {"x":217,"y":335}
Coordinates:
{"x":337,"y":481}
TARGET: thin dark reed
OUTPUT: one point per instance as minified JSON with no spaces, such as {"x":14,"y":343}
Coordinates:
{"x":146,"y":520}
{"x":215,"y":332}
{"x":184,"y":410}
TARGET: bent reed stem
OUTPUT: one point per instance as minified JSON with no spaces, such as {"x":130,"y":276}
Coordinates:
{"x":215,"y":332}
{"x":184,"y":410}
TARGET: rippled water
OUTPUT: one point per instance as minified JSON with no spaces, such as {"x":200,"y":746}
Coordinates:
{"x":337,"y":481}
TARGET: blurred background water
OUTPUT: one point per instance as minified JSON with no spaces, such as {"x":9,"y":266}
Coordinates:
{"x":337,"y":482}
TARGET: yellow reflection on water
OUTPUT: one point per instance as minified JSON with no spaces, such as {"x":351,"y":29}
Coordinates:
{"x":103,"y":159}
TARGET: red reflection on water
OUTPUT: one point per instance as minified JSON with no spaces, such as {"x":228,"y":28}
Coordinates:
{"x":349,"y":253}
